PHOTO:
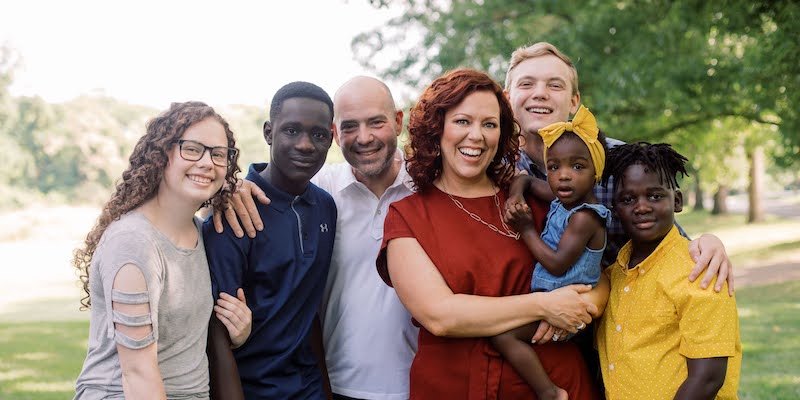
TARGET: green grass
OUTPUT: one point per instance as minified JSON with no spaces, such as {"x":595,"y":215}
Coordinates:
{"x":697,"y":222}
{"x":41,"y":360}
{"x":769,"y":318}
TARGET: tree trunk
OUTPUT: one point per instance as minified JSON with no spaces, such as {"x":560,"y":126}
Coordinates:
{"x":720,"y":201}
{"x":699,"y":204}
{"x":755,"y":209}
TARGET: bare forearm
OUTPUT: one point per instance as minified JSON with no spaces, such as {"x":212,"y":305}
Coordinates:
{"x":705,"y":378}
{"x":461,"y":315}
{"x":599,"y":295}
{"x":223,"y":372}
{"x":550,"y":259}
{"x":141,"y":377}
{"x":141,"y":384}
{"x":541,"y":190}
{"x":696,"y":388}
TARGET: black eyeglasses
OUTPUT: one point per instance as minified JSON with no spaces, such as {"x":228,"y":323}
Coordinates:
{"x":192,"y":150}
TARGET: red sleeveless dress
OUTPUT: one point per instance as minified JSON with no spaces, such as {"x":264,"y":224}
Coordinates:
{"x":475,"y":260}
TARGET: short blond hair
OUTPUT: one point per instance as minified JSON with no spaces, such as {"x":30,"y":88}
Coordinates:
{"x":538,"y":50}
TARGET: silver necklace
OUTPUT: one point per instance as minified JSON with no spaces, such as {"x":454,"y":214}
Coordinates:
{"x":508,"y":232}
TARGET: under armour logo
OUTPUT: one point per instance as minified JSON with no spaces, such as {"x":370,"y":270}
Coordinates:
{"x":323,"y":227}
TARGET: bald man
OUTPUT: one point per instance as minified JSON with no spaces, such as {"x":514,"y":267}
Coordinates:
{"x":367,"y":333}
{"x":368,"y":336}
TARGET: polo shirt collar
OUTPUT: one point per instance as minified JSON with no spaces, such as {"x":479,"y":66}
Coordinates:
{"x":279,"y":199}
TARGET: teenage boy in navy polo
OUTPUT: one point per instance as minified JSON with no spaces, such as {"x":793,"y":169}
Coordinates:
{"x":283,"y":269}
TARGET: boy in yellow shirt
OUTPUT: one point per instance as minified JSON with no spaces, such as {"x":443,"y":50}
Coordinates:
{"x":661,"y":336}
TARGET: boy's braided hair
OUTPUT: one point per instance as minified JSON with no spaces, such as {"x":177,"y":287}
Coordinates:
{"x":660,"y":158}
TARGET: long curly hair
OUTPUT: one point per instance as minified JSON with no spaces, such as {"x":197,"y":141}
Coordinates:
{"x":141,"y":179}
{"x":426,"y":126}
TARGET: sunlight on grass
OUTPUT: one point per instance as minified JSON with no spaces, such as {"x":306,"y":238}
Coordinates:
{"x":746,"y":312}
{"x":748,"y":245}
{"x":62,"y":386}
{"x":34,"y":356}
{"x":697,"y":222}
{"x":763,"y":254}
{"x":16,"y":374}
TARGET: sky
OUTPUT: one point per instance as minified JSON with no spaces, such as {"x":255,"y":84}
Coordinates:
{"x":156,"y":52}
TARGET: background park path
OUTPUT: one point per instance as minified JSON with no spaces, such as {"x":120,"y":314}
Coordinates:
{"x":777,"y":266}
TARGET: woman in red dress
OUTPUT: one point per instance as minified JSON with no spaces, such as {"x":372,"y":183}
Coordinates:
{"x":460,"y":271}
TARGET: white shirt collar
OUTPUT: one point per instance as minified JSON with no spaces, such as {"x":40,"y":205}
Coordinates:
{"x":402,"y":178}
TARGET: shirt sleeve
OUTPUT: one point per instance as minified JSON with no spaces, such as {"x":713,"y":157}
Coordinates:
{"x":394,"y":226}
{"x":227,"y":258}
{"x":134,"y":248}
{"x":708,"y":321}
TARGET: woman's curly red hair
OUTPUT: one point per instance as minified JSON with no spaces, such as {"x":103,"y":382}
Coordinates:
{"x":426,"y":125}
{"x":141,"y":179}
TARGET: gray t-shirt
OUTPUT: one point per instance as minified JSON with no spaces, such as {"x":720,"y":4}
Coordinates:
{"x":179,"y":292}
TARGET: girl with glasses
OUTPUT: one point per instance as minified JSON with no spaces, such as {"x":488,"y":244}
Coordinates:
{"x":143,"y":265}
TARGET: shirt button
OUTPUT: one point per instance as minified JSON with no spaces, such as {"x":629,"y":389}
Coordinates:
{"x":626,"y":289}
{"x":619,"y":328}
{"x":379,"y":211}
{"x":611,"y":367}
{"x":641,"y":270}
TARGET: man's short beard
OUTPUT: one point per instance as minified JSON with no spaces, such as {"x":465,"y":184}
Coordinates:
{"x":384,"y":166}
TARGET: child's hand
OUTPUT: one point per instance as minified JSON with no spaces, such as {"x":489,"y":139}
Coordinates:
{"x":514,"y":199}
{"x":516,"y":193}
{"x":519,"y":217}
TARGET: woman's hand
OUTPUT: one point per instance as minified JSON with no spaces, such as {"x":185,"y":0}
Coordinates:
{"x":235,"y":315}
{"x":566,"y":309}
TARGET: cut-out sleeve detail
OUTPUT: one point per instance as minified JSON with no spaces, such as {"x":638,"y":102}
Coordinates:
{"x":129,"y":298}
{"x":131,"y":320}
{"x":131,"y":248}
{"x":134,"y":344}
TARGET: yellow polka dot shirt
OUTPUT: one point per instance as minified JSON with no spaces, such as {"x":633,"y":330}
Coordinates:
{"x":655,"y":319}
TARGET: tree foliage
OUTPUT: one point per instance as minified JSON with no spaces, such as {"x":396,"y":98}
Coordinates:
{"x":648,"y":68}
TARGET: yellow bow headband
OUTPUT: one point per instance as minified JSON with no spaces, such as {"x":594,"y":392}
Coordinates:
{"x":584,"y":125}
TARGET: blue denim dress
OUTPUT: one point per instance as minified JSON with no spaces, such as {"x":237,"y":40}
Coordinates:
{"x":587,"y":269}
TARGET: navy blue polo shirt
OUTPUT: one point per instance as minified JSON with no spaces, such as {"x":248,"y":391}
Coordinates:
{"x":283,"y":272}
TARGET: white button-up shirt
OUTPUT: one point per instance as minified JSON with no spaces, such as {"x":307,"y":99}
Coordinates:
{"x":368,"y":336}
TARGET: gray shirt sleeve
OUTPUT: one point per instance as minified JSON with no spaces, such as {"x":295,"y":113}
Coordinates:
{"x":135,"y":248}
